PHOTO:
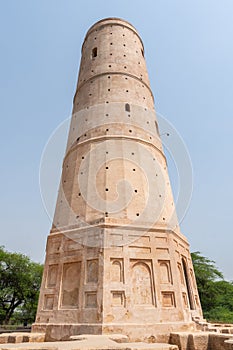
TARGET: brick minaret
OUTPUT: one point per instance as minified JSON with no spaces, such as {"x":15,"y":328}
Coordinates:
{"x":115,"y":259}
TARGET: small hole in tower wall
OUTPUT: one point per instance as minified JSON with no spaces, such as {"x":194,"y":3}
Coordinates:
{"x":142,"y":51}
{"x":127,"y":107}
{"x":94,"y":52}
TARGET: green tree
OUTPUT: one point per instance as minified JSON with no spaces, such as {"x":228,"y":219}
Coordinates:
{"x":215,"y":293}
{"x":206,"y":274}
{"x":223,"y":309}
{"x":20,"y":280}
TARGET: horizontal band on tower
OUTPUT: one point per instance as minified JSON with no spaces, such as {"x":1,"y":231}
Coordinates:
{"x":113,"y":73}
{"x":110,"y":137}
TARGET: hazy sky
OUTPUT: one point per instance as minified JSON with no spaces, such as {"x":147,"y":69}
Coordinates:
{"x":189,"y":55}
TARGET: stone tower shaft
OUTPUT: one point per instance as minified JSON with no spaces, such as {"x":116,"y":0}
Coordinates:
{"x":115,"y":259}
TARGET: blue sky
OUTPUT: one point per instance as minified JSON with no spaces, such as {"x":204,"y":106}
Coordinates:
{"x":189,"y":54}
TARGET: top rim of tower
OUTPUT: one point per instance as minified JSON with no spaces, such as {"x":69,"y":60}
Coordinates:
{"x":109,"y":21}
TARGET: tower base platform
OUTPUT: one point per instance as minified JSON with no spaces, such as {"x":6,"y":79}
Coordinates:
{"x":157,"y":332}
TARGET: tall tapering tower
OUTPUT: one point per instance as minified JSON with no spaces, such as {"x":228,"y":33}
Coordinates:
{"x":115,"y":259}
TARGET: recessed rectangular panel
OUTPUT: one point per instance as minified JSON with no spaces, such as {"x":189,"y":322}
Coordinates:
{"x":90,"y":299}
{"x":162,"y":252}
{"x":118,"y":298}
{"x":70,"y":285}
{"x":139,"y":240}
{"x":52,"y":276}
{"x":92,"y":271}
{"x":168,"y":299}
{"x":139,"y":249}
{"x":161,"y":240}
{"x":48,"y":302}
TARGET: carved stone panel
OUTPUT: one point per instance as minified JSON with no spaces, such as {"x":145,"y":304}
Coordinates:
{"x":117,"y":270}
{"x":181,"y":273}
{"x":168,"y":299}
{"x":70,"y":284}
{"x":48,"y":302}
{"x":118,"y":298}
{"x":54,"y":246}
{"x":197,"y":301}
{"x":52,"y":276}
{"x":92,"y":271}
{"x":90,"y":300}
{"x":185,"y":300}
{"x":141,"y":284}
{"x":165,"y":271}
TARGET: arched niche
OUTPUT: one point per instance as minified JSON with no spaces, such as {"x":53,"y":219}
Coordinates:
{"x":141,"y":284}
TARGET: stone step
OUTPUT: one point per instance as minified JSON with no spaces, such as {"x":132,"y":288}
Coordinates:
{"x":79,"y":345}
{"x":86,"y":342}
{"x":202,"y":341}
{"x":21,"y":337}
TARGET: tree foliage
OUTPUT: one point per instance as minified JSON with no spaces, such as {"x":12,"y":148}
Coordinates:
{"x":20,"y":280}
{"x":215,"y":293}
